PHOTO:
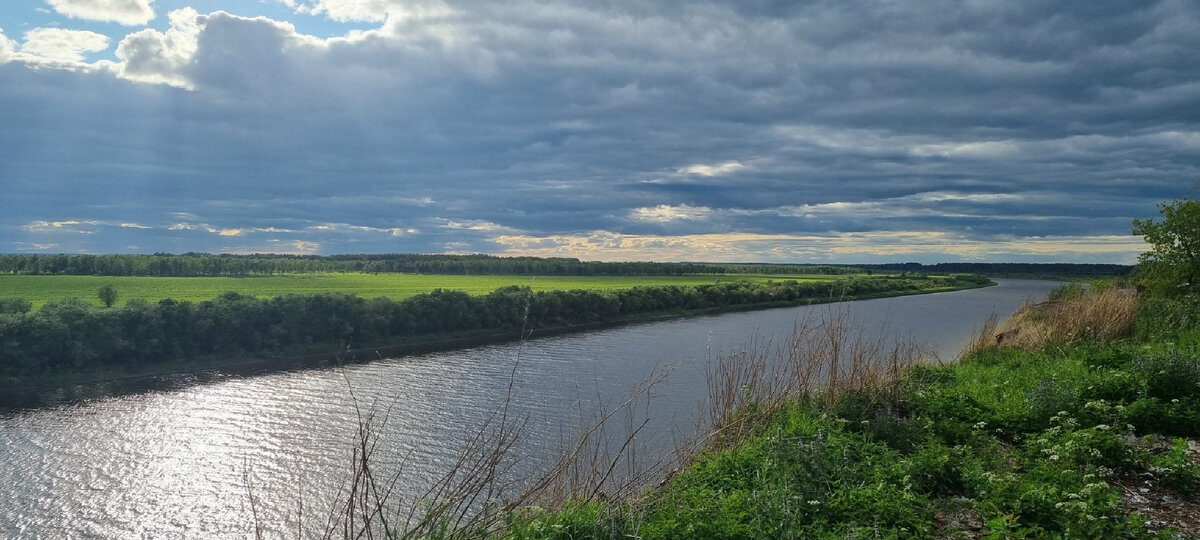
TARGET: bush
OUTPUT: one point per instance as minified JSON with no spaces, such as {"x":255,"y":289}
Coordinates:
{"x":1169,"y":375}
{"x":1066,"y":291}
{"x":1175,"y":417}
{"x":937,"y":469}
{"x":15,"y":305}
{"x":1163,"y":319}
{"x":1176,"y":469}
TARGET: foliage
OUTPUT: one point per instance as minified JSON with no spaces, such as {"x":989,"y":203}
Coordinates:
{"x":1177,"y":469}
{"x":1017,"y":270}
{"x":1172,"y":265}
{"x":1169,"y":375}
{"x":1164,"y":319}
{"x":1066,"y":291}
{"x":69,"y":336}
{"x":107,"y":294}
{"x":15,"y":304}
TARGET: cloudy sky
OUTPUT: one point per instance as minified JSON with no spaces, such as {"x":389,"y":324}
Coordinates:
{"x":747,"y":130}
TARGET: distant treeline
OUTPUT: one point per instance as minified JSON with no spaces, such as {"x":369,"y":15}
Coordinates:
{"x":1029,"y":270}
{"x":71,"y":336}
{"x":203,"y":264}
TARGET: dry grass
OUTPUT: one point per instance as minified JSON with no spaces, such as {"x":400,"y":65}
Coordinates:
{"x":1105,"y":315}
{"x":828,"y":356}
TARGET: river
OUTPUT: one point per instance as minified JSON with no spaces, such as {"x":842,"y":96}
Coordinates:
{"x":185,"y":456}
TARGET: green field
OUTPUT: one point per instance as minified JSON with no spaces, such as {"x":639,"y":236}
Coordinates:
{"x":41,"y":289}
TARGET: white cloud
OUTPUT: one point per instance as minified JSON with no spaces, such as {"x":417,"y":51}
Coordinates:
{"x":348,"y":228}
{"x":126,"y":12}
{"x":473,"y":225}
{"x":986,"y":149}
{"x":7,"y":47}
{"x":70,"y":226}
{"x":351,"y":10}
{"x":57,"y":45}
{"x":161,"y":57}
{"x":373,"y":10}
{"x":713,"y":170}
{"x":666,"y":213}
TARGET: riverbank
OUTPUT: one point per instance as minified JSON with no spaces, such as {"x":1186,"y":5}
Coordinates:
{"x":1091,"y":436}
{"x":326,"y":356}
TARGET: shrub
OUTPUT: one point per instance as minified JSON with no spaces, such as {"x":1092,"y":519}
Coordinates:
{"x":1162,"y":319}
{"x":1169,"y":375}
{"x":1175,"y":417}
{"x":1110,"y":385}
{"x":937,"y":469}
{"x":1176,"y":469}
{"x":15,"y":305}
{"x":1048,"y":399}
{"x":1066,"y":291}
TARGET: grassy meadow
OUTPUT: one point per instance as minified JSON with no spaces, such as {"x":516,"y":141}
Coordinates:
{"x":42,"y":289}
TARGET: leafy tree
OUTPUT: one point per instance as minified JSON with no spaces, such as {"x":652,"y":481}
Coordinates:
{"x":15,"y":305}
{"x":1173,"y":263}
{"x":107,"y":294}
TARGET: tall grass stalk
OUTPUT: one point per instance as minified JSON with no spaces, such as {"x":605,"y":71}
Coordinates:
{"x":826,"y":355}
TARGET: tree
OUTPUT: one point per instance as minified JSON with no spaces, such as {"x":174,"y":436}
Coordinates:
{"x":107,"y":294}
{"x":1173,"y":263}
{"x":15,"y":305}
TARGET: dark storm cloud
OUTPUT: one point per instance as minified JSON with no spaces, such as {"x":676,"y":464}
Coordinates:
{"x":473,"y":126}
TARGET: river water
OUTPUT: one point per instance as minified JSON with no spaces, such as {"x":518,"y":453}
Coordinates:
{"x":198,"y":456}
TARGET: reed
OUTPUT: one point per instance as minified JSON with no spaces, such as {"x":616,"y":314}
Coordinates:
{"x":824,"y":358}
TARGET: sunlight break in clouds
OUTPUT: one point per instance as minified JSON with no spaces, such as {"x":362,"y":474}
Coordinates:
{"x":126,"y":12}
{"x":713,"y":170}
{"x":879,"y":246}
{"x":665,"y":213}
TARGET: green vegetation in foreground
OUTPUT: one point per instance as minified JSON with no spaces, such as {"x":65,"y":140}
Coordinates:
{"x":39,"y":289}
{"x":1051,"y":443}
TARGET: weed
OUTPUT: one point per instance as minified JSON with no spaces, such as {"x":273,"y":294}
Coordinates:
{"x":1176,"y":468}
{"x":1169,"y":375}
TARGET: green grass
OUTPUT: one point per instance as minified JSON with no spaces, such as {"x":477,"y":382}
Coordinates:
{"x":42,"y":289}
